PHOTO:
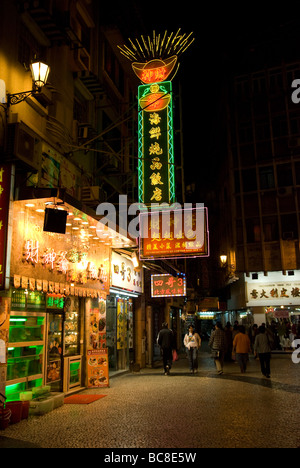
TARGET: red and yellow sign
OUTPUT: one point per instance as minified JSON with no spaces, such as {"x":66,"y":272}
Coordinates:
{"x":154,"y":71}
{"x":174,"y":234}
{"x":5,"y":183}
{"x":168,"y":286}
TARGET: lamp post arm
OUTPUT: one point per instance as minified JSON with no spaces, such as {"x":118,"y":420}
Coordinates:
{"x":16,"y":98}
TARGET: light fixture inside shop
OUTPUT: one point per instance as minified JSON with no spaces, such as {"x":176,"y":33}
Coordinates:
{"x":40,"y":72}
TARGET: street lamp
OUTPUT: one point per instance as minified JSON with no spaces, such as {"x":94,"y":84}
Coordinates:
{"x":223,"y":259}
{"x":40,"y":72}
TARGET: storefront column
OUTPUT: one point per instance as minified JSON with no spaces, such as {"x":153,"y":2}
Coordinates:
{"x":140,"y":332}
{"x":149,"y":337}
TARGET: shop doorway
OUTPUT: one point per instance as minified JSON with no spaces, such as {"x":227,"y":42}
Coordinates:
{"x":54,"y":370}
{"x":119,"y":331}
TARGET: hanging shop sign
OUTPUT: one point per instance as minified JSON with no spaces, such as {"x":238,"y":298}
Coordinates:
{"x":174,"y":234}
{"x":168,"y":285}
{"x":273,"y":293}
{"x":124,"y":275}
{"x":156,"y":144}
{"x":5,"y":184}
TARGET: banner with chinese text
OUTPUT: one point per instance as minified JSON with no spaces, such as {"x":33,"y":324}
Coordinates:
{"x":174,"y":234}
{"x":168,"y":286}
{"x":273,"y":293}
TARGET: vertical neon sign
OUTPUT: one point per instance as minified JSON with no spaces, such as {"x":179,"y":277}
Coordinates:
{"x":156,"y":144}
{"x":155,"y":60}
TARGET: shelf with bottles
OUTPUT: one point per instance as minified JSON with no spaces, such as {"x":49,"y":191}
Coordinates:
{"x":32,"y":301}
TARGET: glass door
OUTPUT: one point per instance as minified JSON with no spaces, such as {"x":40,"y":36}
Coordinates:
{"x":54,"y":371}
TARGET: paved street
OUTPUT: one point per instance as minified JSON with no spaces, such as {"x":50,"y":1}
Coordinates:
{"x":150,"y":410}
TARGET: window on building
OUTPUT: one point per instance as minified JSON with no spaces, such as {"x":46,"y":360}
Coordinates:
{"x":284,"y":175}
{"x":266,"y":178}
{"x":249,"y":180}
{"x":289,"y":226}
{"x":271,"y":231}
{"x":253,"y":230}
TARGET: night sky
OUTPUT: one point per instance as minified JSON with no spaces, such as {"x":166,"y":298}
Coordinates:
{"x":227,"y":37}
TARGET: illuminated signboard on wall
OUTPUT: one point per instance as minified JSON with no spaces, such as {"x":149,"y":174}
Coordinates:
{"x":174,"y":234}
{"x":168,"y":286}
{"x":5,"y":181}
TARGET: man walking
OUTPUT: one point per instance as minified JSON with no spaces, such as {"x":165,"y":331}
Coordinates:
{"x":165,"y":341}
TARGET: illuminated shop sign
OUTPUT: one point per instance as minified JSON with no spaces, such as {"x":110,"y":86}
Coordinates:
{"x":174,"y":234}
{"x":168,"y":286}
{"x":124,"y":275}
{"x":156,"y":144}
{"x":5,"y":178}
{"x":272,"y":294}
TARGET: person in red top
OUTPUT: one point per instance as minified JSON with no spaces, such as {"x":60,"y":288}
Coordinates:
{"x":242,"y":347}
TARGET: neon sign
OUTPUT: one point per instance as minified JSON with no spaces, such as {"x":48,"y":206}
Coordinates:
{"x":174,"y":234}
{"x":154,"y":71}
{"x":168,"y":286}
{"x":154,"y":61}
{"x":156,"y":144}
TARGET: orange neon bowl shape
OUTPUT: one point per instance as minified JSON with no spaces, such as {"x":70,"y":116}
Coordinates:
{"x":155,"y":71}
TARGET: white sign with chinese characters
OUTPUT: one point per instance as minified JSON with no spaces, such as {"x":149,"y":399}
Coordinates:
{"x":273,"y":293}
{"x":124,"y":275}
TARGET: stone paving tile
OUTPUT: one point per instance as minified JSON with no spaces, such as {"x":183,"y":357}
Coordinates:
{"x":150,"y":410}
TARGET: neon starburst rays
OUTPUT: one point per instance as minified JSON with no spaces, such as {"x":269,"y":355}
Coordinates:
{"x":154,"y":59}
{"x":158,"y":47}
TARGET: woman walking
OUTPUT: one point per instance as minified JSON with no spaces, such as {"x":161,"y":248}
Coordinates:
{"x":192,"y":342}
{"x":217,"y":344}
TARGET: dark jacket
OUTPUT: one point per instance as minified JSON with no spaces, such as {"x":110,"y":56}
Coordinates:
{"x":217,"y":340}
{"x":165,"y":338}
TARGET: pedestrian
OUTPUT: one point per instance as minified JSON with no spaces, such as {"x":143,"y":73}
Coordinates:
{"x":192,"y":342}
{"x":253,"y":331}
{"x":217,"y":345}
{"x":165,"y":340}
{"x":228,"y":341}
{"x":263,"y":349}
{"x":242,"y":348}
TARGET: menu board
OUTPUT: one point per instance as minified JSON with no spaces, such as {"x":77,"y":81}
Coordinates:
{"x":97,"y":368}
{"x":97,"y":353}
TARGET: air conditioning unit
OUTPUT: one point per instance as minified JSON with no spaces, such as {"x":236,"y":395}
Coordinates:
{"x":288,"y":235}
{"x":92,"y":195}
{"x":21,"y":144}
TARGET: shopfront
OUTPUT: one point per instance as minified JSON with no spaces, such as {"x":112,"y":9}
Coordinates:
{"x":275,"y":300}
{"x":58,"y":289}
{"x":126,"y":286}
